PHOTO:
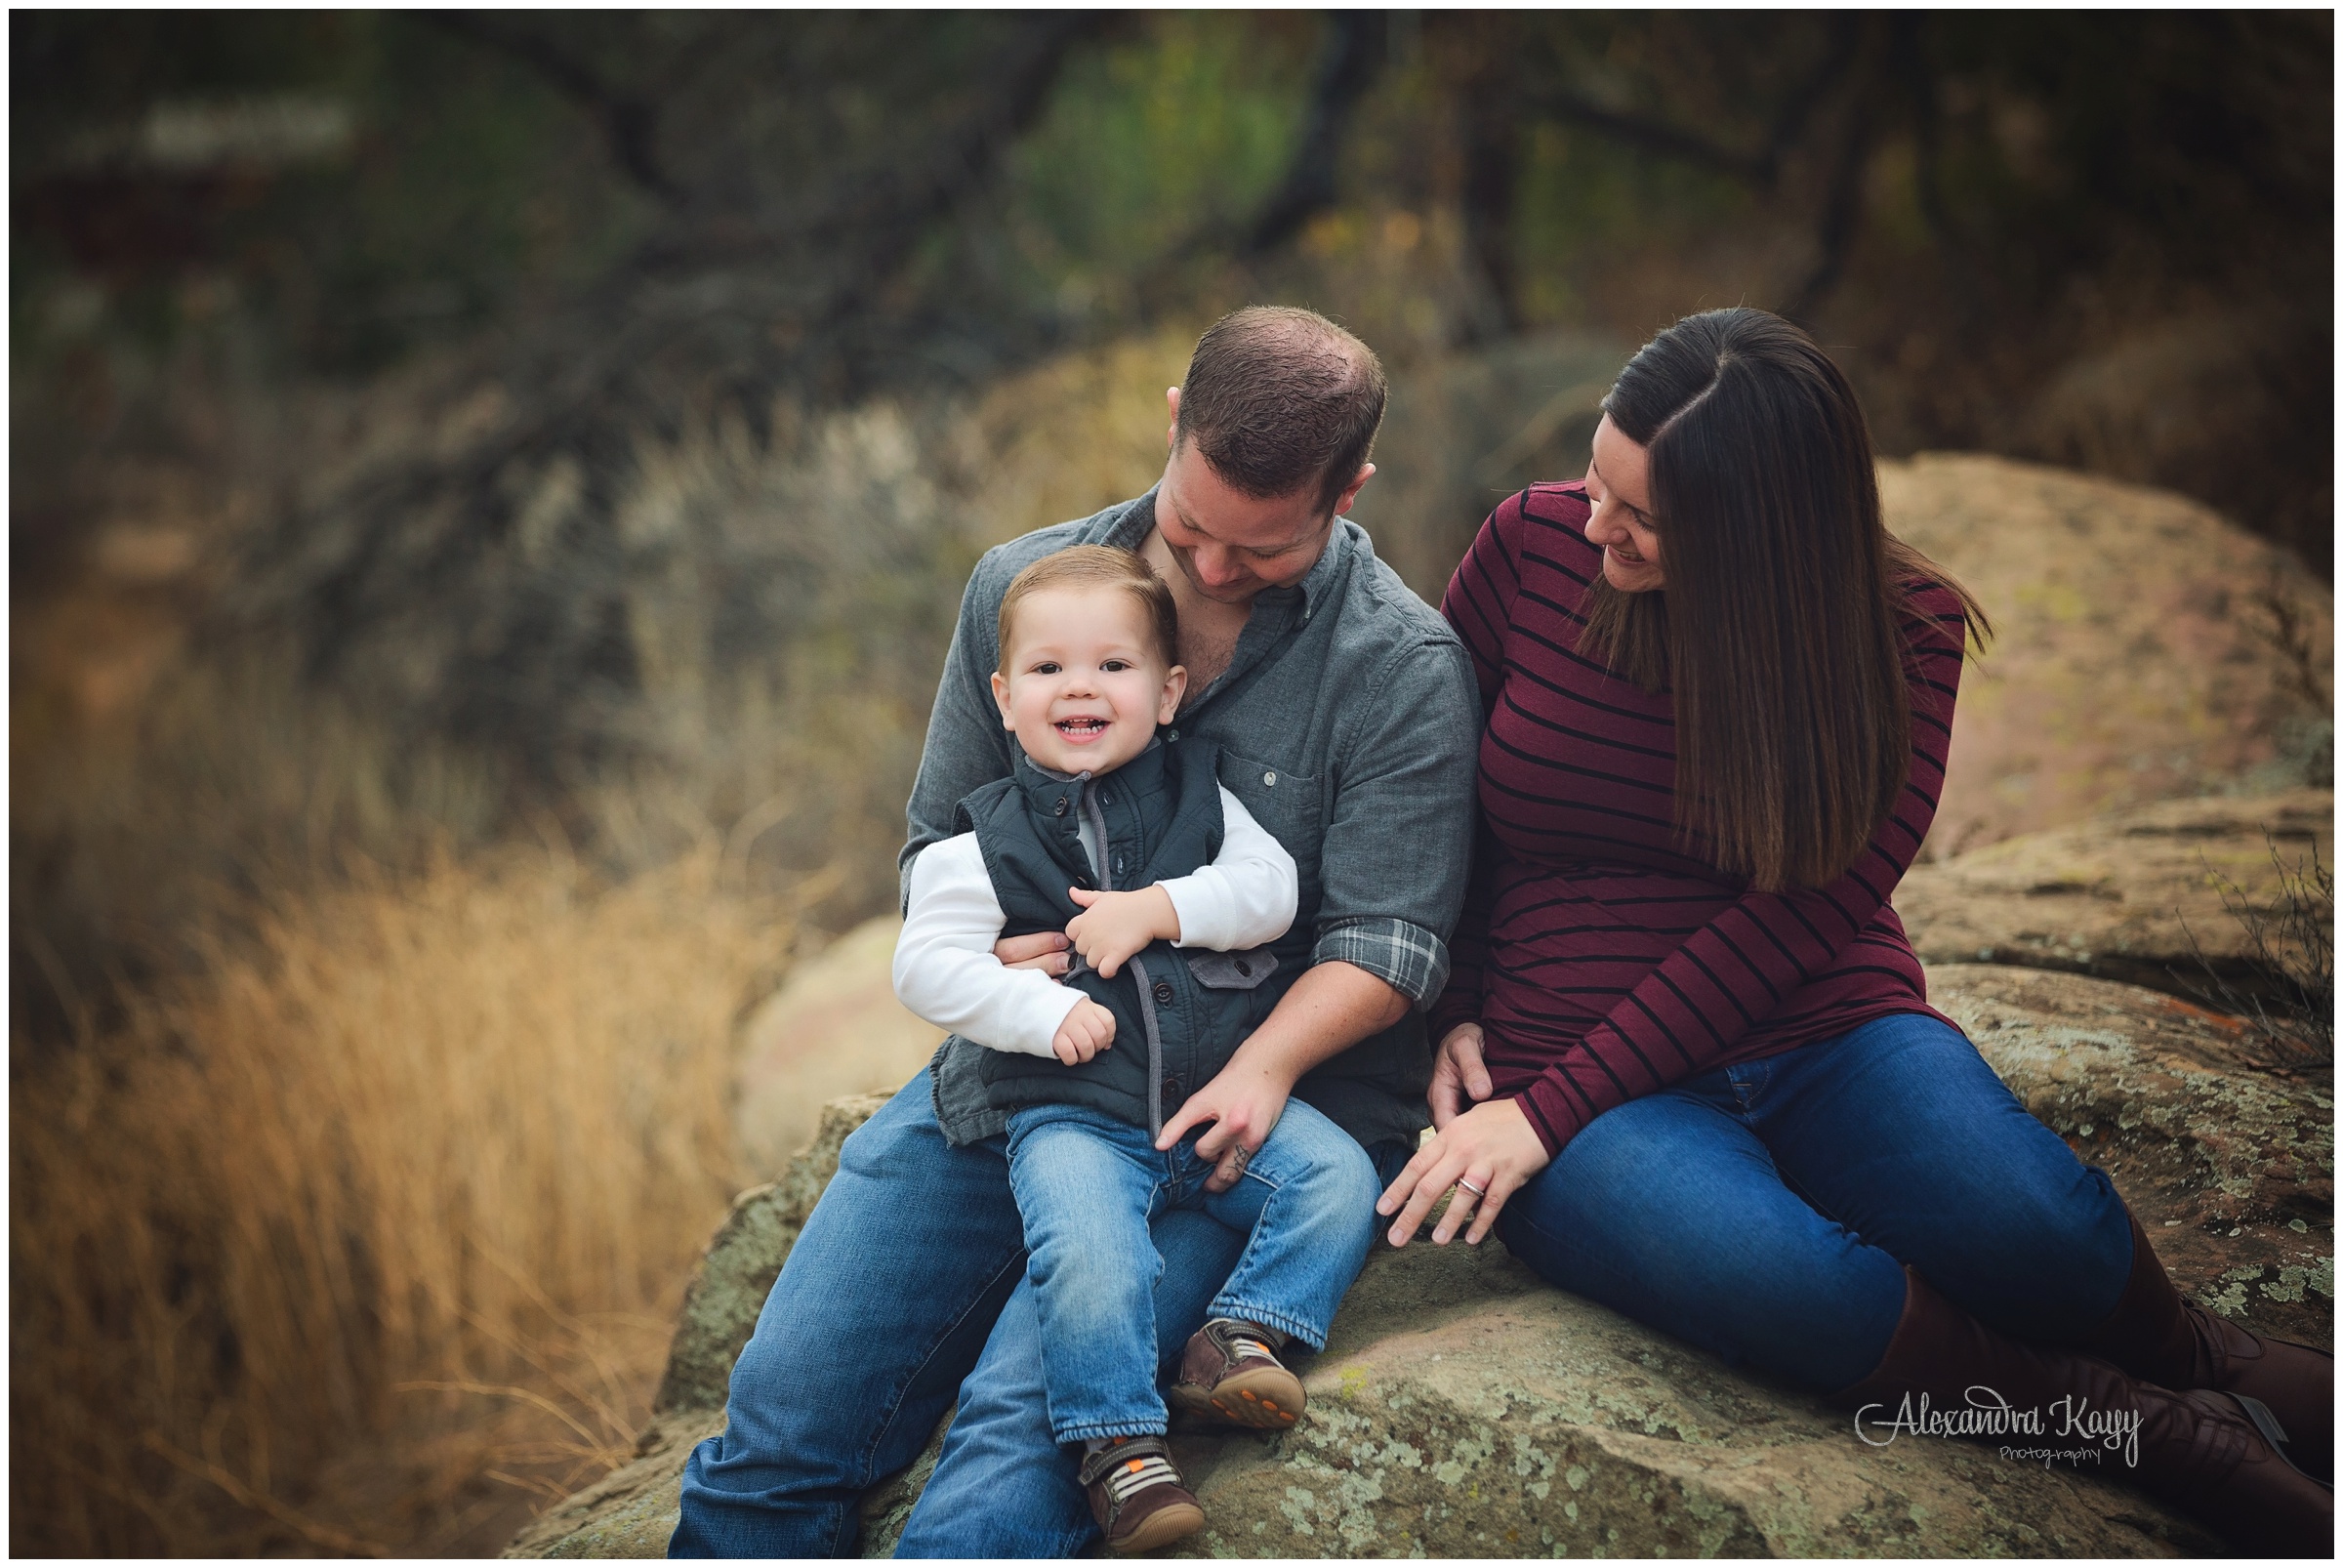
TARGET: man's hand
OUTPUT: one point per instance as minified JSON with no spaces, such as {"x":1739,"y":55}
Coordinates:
{"x":1043,"y":952}
{"x":1088,"y":1030}
{"x":1114,"y":926}
{"x":1243,"y":1102}
{"x":1486,"y":1155}
{"x":1457,"y":1067}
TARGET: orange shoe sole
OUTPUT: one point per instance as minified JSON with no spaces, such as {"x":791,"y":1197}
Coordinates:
{"x":1263,"y":1399}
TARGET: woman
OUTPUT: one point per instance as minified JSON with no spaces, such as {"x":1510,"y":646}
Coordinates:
{"x":1711,"y":1091}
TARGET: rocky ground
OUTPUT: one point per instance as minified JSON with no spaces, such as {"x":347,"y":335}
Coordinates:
{"x":1465,"y":1409}
{"x":2150,"y":895}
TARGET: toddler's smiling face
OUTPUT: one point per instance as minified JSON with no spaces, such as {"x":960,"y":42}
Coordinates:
{"x":1083,"y":685}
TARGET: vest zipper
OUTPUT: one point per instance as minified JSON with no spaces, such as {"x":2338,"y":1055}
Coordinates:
{"x":1138,"y":968}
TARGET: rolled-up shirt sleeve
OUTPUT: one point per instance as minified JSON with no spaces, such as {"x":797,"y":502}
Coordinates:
{"x":1399,"y":838}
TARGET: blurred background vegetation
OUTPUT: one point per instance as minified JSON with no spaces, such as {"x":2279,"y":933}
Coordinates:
{"x":489,"y":493}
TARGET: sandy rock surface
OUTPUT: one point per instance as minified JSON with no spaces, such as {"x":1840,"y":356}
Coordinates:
{"x":2146,"y":649}
{"x":2135,"y":895}
{"x":835,"y":1028}
{"x":1463,"y":1408}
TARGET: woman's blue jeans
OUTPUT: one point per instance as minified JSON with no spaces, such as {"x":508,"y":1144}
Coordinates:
{"x":1765,"y":1211}
{"x":1088,"y":1186}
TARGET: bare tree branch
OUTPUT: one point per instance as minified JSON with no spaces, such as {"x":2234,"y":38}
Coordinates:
{"x":1352,"y":58}
{"x":630,"y":124}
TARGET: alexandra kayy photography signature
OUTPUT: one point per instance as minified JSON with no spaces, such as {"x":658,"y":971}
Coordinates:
{"x":1987,"y":1414}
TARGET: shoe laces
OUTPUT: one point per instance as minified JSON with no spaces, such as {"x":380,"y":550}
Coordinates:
{"x":1243,"y":1343}
{"x":1136,"y":1474}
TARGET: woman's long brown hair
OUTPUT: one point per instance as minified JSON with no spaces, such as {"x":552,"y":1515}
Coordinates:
{"x":1778,"y":627}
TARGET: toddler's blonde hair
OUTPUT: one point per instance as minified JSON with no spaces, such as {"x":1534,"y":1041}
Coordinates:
{"x":1097,"y":566}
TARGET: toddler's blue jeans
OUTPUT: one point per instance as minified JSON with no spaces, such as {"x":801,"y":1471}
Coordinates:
{"x":1088,"y":1186}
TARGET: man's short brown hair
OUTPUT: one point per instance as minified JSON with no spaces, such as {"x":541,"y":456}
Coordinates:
{"x":1280,"y":400}
{"x":1097,"y":566}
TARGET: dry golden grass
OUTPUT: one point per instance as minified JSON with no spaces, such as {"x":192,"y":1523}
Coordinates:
{"x":345,"y":1243}
{"x":355,"y":1221}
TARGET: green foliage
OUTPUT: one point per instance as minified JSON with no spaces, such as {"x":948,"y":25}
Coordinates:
{"x":1177,"y":131}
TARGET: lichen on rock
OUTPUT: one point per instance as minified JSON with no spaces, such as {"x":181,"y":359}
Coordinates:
{"x":1463,"y":1408}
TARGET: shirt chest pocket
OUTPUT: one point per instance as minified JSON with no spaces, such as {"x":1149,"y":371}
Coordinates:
{"x":1288,"y":805}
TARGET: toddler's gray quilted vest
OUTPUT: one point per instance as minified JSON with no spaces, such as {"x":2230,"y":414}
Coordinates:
{"x":1179,"y":1013}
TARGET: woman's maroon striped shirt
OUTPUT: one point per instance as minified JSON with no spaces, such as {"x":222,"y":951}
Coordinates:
{"x":1602,"y":962}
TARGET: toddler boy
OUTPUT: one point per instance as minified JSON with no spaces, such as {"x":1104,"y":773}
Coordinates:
{"x":1164,"y":884}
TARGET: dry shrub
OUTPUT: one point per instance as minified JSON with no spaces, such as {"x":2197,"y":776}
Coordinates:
{"x":429,"y":1137}
{"x":356,"y":1218}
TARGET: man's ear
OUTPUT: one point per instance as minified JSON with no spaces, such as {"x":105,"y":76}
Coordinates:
{"x":1171,"y":431}
{"x":1176,"y":687}
{"x":1001,"y":696}
{"x":1358,"y":484}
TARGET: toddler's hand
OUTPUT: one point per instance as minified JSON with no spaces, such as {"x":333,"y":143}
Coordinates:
{"x":1114,"y":926}
{"x":1088,"y":1030}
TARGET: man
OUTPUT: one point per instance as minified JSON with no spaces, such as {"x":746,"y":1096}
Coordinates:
{"x":1347,"y":721}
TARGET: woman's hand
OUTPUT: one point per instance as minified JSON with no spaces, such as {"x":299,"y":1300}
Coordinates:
{"x":1458,"y":1071}
{"x":1492,"y":1146}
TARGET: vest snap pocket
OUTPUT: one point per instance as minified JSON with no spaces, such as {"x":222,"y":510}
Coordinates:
{"x":1171,"y":1089}
{"x":1059,"y":810}
{"x":1163,"y":993}
{"x":1244,"y":968}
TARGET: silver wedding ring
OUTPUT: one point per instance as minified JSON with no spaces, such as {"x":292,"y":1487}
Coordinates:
{"x":1466,"y":1184}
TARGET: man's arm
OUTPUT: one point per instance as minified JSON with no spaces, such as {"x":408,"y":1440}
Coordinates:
{"x":966,"y":748}
{"x":1398,"y":843}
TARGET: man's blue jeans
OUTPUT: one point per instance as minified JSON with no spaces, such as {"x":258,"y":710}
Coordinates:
{"x":880,"y":1314}
{"x":1765,"y":1211}
{"x":1088,"y":1186}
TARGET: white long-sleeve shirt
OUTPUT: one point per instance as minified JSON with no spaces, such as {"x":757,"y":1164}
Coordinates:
{"x":945,"y":971}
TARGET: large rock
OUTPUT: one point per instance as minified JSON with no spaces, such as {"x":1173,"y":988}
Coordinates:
{"x":835,"y":1028}
{"x":2146,"y":647}
{"x":2136,"y":895}
{"x":1463,"y":1408}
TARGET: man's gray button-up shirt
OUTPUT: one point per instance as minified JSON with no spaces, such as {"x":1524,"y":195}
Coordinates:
{"x":1348,"y":725}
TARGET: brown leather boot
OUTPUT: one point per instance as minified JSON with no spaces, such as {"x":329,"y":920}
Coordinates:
{"x":2157,"y":1333}
{"x":2210,"y":1454}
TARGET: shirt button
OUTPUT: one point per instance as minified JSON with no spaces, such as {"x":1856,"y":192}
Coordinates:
{"x":1269,"y":779}
{"x":1163,"y":993}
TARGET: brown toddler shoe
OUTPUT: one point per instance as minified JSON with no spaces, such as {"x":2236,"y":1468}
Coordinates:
{"x":1229,"y":1376}
{"x":1136,"y":1496}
